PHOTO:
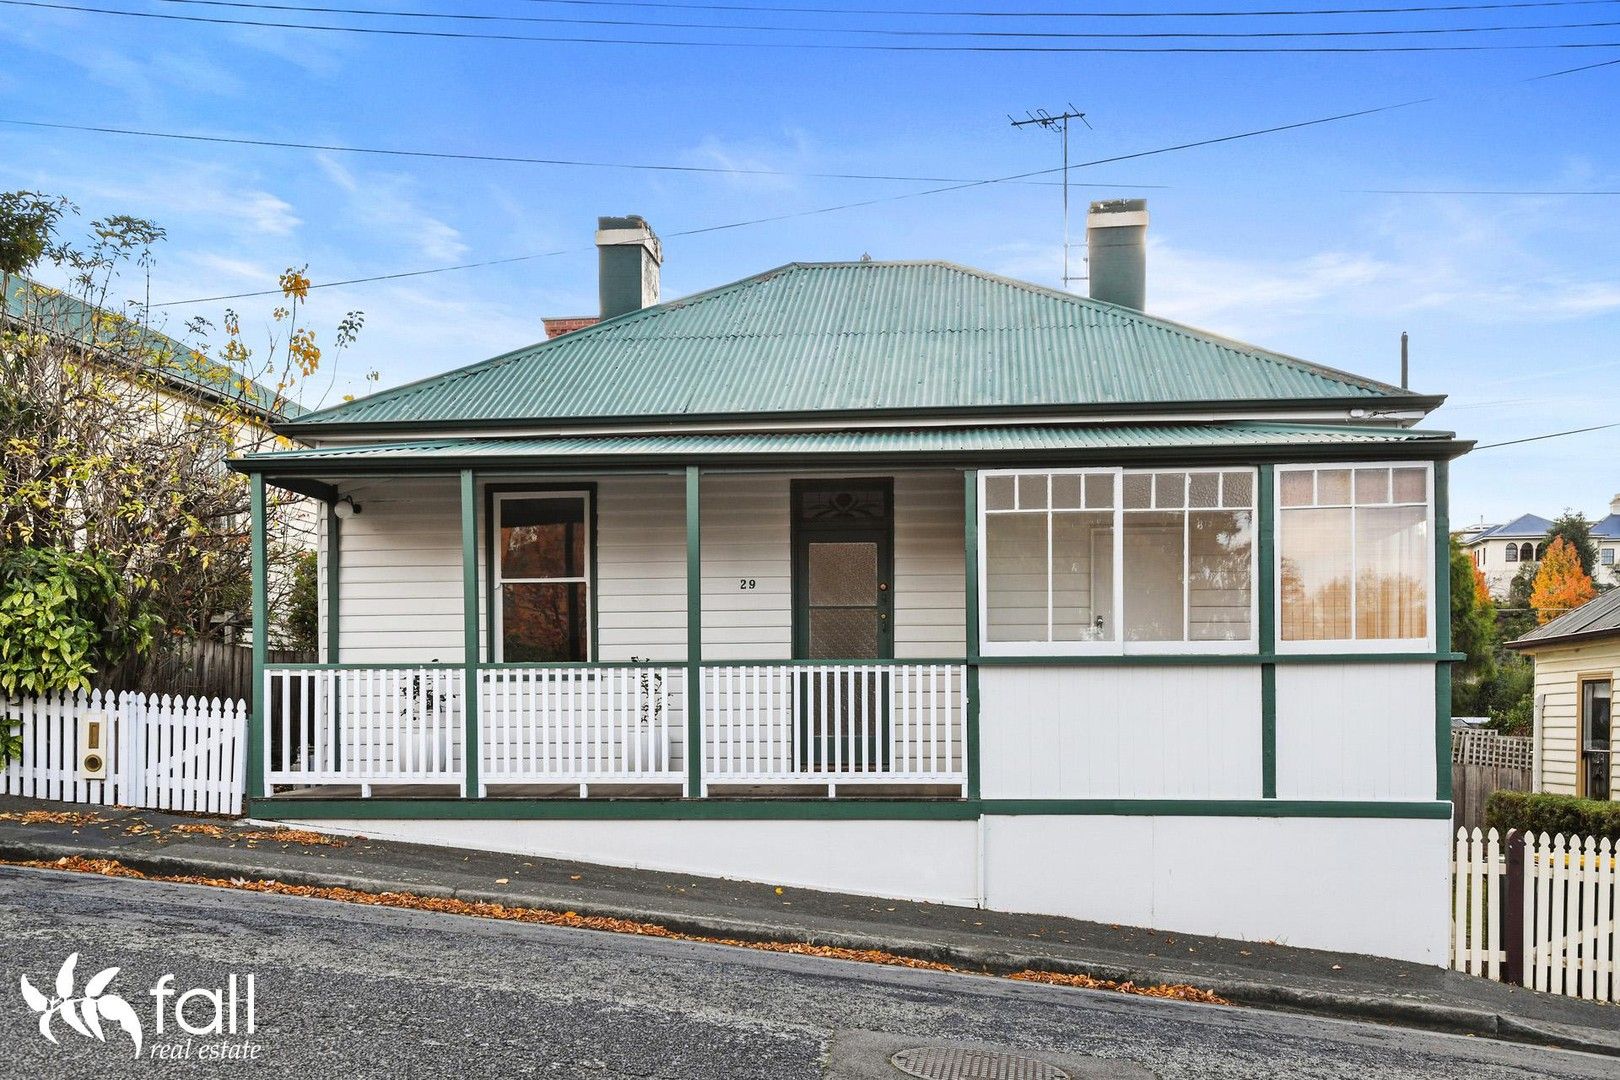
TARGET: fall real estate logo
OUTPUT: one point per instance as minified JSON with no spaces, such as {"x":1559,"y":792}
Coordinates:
{"x":201,"y":1024}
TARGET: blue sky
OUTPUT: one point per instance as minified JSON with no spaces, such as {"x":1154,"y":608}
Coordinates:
{"x":1513,"y":304}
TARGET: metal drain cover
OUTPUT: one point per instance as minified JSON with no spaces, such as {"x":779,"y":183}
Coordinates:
{"x":958,"y":1063}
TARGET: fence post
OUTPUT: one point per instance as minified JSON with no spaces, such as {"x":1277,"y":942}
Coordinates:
{"x":1513,"y":910}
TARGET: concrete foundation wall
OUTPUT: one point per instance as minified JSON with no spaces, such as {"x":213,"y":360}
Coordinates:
{"x":1369,"y":886}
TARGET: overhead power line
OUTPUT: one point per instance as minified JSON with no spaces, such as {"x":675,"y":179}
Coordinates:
{"x":1472,"y":191}
{"x":467,"y":35}
{"x":448,"y":155}
{"x":1116,"y":13}
{"x":1549,"y":435}
{"x":843,"y":206}
{"x":552,"y":20}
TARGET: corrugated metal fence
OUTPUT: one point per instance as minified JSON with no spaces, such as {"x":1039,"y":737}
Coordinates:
{"x":163,"y":753}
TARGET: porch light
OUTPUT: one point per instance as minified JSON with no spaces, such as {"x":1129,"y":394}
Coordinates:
{"x":345,"y":508}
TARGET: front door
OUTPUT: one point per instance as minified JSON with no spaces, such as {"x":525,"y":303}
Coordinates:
{"x":843,"y":604}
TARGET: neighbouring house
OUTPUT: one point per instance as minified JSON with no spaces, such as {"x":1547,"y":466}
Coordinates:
{"x":899,"y":578}
{"x":186,"y":379}
{"x":1577,"y":658}
{"x":1500,"y":551}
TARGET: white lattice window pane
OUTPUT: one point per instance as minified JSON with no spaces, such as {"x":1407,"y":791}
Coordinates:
{"x":1220,"y":546}
{"x":1393,"y":549}
{"x":1155,"y":562}
{"x":1015,"y":584}
{"x":1315,"y":581}
{"x":1083,"y":577}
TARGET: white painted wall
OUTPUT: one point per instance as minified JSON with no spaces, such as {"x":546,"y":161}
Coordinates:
{"x":1356,"y":731}
{"x":641,"y":567}
{"x":400,"y":569}
{"x":1105,"y":732}
{"x":1355,"y":885}
{"x":1369,"y":886}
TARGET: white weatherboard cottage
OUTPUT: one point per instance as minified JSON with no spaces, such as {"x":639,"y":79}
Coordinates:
{"x":900,"y":579}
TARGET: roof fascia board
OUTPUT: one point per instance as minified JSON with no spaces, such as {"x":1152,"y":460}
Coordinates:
{"x":1239,"y":454}
{"x":1380,"y":409}
{"x":1578,"y":638}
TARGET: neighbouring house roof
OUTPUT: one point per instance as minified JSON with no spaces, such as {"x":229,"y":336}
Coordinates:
{"x":862,"y":338}
{"x":1117,"y":440}
{"x":1524,"y":527}
{"x":188,"y":370}
{"x":1607,"y":529}
{"x":1593,"y":619}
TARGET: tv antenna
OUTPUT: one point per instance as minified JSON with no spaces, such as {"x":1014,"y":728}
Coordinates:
{"x":1059,"y":123}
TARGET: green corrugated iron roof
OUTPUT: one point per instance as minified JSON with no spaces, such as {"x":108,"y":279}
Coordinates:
{"x":31,"y":304}
{"x":857,"y":338}
{"x":895,"y":444}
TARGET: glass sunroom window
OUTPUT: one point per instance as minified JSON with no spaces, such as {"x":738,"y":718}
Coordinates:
{"x":1178,"y":543}
{"x":1356,"y":547}
{"x":542,"y":577}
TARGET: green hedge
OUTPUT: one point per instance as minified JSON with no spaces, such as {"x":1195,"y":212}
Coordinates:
{"x":1552,"y":814}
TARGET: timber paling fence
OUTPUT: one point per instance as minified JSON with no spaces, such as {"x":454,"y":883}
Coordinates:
{"x":1538,"y":911}
{"x":159,"y":752}
{"x":1483,"y":762}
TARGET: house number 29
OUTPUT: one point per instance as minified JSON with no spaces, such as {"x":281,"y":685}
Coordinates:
{"x":745,"y":583}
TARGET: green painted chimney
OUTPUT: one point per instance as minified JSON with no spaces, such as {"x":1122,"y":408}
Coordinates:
{"x":1116,"y":246}
{"x":628,"y":257}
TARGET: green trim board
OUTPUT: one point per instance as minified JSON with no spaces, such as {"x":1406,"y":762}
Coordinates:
{"x":427,"y":809}
{"x":1265,"y":499}
{"x":694,"y":631}
{"x":489,"y":554}
{"x":261,"y":633}
{"x":1235,"y":441}
{"x":1208,"y":659}
{"x":334,"y":585}
{"x":469,"y":639}
{"x":1442,"y":630}
{"x":970,"y":594}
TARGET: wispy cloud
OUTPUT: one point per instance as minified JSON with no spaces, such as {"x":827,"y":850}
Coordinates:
{"x":387,"y":205}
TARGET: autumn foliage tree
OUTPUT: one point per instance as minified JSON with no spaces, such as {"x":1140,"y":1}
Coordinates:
{"x":1561,"y":584}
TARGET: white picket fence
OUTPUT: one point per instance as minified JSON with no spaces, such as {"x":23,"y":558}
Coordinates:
{"x":1557,"y":925}
{"x":162,"y":753}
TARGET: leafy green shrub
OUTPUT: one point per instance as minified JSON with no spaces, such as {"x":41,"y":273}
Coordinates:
{"x":303,"y":604}
{"x":64,"y":616}
{"x":1552,"y":814}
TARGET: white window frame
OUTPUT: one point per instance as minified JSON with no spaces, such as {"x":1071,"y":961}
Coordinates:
{"x":1352,"y":645}
{"x":1118,"y":646}
{"x":498,"y":646}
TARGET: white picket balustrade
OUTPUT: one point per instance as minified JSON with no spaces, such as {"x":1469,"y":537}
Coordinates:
{"x":836,"y":724}
{"x":363,"y":726}
{"x":162,"y":753}
{"x":582,"y":725}
{"x":1566,"y":905}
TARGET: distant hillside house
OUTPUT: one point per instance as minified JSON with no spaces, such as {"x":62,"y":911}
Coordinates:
{"x":897,"y":578}
{"x":1501,"y":551}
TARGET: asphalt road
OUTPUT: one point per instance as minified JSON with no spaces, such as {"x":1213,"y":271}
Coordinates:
{"x":355,"y":991}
